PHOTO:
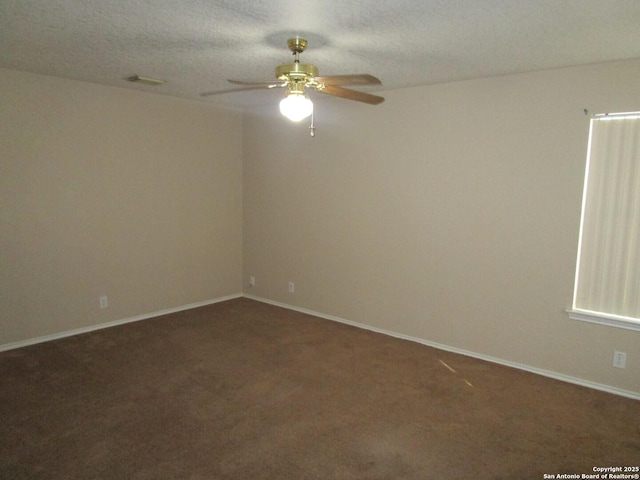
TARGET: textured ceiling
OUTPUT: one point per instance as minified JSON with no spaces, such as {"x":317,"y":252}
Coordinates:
{"x":195,"y":45}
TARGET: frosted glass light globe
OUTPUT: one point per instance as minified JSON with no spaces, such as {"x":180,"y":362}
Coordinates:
{"x":296,"y":107}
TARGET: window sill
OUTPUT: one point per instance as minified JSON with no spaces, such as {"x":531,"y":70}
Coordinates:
{"x":604,"y":319}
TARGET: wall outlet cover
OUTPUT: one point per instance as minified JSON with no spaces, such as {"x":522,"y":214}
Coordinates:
{"x":619,"y":359}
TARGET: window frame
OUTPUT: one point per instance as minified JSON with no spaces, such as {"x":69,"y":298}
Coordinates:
{"x":575,"y":313}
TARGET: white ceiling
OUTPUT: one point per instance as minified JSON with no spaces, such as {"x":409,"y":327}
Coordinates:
{"x":195,"y":45}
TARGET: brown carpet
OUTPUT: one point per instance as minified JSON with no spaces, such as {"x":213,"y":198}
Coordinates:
{"x":244,"y":390}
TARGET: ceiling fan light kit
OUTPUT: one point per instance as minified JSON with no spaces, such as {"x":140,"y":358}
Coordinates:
{"x":296,"y":107}
{"x":297,"y":77}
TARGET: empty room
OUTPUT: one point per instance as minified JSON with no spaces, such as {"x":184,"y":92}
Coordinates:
{"x":319,"y":240}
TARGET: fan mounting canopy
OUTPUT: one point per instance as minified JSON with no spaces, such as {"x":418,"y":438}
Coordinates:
{"x":297,"y":45}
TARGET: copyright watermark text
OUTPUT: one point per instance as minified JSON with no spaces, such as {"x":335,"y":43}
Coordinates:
{"x":599,"y":473}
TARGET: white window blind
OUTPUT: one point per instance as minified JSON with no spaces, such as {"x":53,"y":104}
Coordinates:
{"x":607,"y":283}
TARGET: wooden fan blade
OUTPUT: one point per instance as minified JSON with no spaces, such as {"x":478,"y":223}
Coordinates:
{"x":231,"y":90}
{"x":255,"y":84}
{"x":352,"y":94}
{"x":355,"y":79}
{"x":247,"y":87}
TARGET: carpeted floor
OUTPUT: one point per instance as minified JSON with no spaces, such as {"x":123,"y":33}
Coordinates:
{"x":243,"y":390}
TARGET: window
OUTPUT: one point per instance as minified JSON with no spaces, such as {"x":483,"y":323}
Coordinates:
{"x":607,"y":282}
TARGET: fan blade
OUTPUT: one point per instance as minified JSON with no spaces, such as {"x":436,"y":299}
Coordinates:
{"x":257,"y":86}
{"x":356,"y":79}
{"x":230,"y":90}
{"x":352,"y":94}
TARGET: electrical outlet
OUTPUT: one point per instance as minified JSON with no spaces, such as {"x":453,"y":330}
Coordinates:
{"x":252,"y":281}
{"x":292,"y":287}
{"x":619,"y":359}
{"x":104,"y":301}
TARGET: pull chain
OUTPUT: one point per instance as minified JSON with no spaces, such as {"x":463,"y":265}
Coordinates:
{"x":312,"y":127}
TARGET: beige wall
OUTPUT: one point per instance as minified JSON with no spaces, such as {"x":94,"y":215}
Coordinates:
{"x":449,"y":213}
{"x":109,"y":191}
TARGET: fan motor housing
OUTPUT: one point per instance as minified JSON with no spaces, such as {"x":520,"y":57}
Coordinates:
{"x":295,"y":71}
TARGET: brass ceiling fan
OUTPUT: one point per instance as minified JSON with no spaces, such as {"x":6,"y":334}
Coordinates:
{"x":296,"y":77}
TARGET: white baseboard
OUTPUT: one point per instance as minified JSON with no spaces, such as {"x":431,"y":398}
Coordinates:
{"x":519,"y":366}
{"x":100,"y":326}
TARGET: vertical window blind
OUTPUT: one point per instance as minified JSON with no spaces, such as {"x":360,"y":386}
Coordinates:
{"x":607,"y":281}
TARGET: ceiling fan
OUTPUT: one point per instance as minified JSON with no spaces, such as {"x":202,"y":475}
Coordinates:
{"x":296,"y":77}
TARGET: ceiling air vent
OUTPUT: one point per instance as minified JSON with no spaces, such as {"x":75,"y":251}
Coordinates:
{"x":145,"y":80}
